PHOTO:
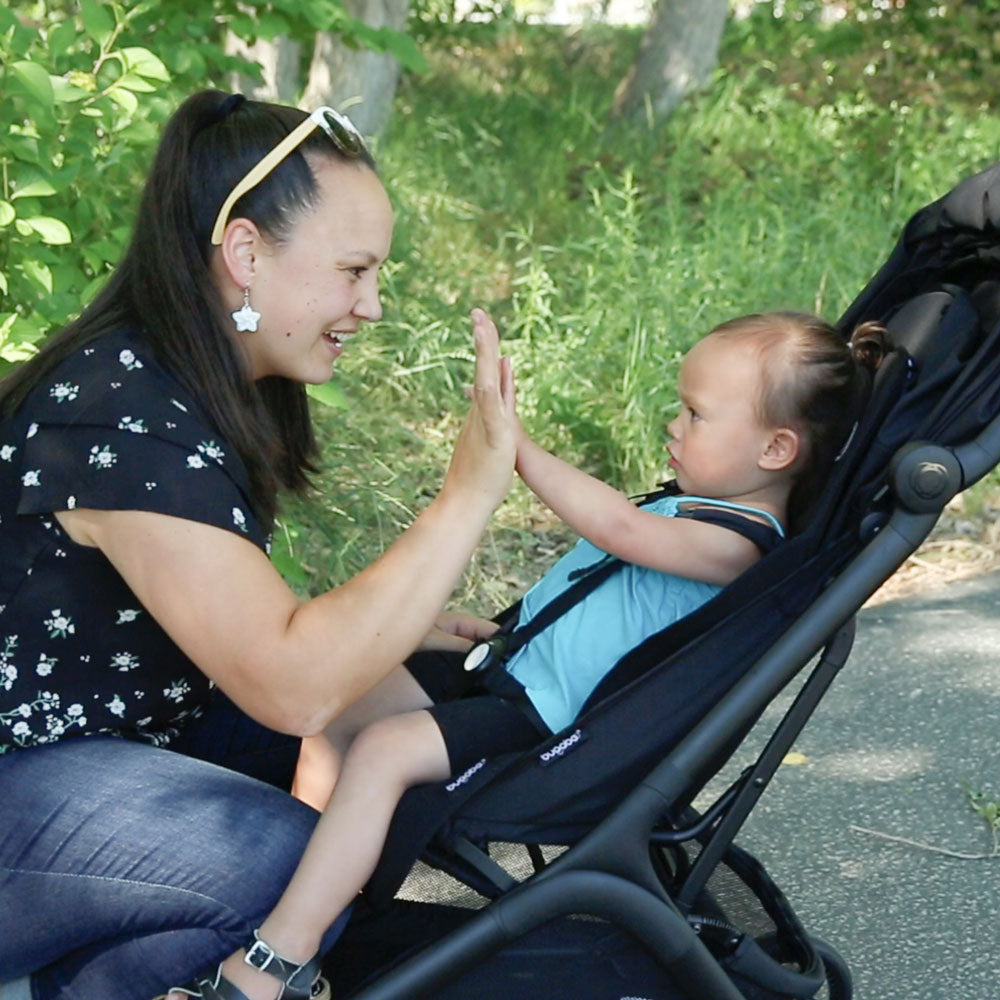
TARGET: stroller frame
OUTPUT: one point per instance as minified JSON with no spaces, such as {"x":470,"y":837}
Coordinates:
{"x":614,"y":871}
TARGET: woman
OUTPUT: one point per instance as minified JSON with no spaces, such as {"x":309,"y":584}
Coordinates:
{"x":141,"y":454}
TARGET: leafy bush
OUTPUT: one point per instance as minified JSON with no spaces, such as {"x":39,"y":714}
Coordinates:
{"x":75,"y":114}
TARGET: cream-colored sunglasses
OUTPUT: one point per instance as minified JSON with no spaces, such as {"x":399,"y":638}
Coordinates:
{"x":342,"y":133}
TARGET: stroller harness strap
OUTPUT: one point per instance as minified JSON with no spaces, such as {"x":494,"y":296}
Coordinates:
{"x":495,"y":651}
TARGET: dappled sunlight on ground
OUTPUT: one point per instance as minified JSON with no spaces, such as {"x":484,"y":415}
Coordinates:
{"x":876,"y":765}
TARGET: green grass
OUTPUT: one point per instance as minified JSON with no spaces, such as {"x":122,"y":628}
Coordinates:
{"x":604,"y":254}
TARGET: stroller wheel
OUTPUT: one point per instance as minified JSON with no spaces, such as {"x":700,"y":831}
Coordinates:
{"x":838,"y":976}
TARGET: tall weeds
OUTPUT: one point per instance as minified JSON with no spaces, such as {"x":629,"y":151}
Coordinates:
{"x":603,"y":256}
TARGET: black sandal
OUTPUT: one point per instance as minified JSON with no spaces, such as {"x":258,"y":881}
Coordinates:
{"x":298,"y":982}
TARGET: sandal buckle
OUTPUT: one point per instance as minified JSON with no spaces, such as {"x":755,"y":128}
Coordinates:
{"x":260,"y":955}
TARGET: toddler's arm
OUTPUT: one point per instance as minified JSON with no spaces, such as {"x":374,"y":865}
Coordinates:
{"x":613,"y":523}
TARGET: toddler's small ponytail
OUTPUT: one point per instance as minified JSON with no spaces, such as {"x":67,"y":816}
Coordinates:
{"x":869,"y":345}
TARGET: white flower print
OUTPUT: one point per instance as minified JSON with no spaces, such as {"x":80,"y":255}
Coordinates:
{"x":115,"y":385}
{"x":129,"y":360}
{"x":239,"y":519}
{"x":102,"y":456}
{"x":126,"y":615}
{"x":70,"y":503}
{"x":135,"y":426}
{"x":180,"y":406}
{"x":177,"y":690}
{"x":6,"y":452}
{"x":45,"y":665}
{"x":33,"y":477}
{"x":150,"y":486}
{"x":196,"y":462}
{"x":47,"y":701}
{"x":116,"y":706}
{"x":8,"y":672}
{"x":60,"y":626}
{"x":212,"y":450}
{"x":32,"y":431}
{"x":62,"y":392}
{"x":124,"y":661}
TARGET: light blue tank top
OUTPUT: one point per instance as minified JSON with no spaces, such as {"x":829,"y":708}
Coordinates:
{"x":561,"y":666}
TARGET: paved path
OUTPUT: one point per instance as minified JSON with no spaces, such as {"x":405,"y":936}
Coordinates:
{"x":915,"y":712}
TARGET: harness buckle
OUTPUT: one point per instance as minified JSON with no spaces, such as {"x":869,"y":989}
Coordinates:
{"x":486,"y":654}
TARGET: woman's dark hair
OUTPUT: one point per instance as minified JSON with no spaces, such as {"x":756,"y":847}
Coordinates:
{"x":162,"y":288}
{"x":815,"y":381}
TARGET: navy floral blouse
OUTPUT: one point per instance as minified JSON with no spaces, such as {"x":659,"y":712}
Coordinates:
{"x":112,"y":430}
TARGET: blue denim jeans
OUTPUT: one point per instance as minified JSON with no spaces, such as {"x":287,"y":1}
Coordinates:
{"x":125,"y":868}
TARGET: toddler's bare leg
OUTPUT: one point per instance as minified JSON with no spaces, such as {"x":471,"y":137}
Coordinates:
{"x":321,"y":756}
{"x":384,"y":760}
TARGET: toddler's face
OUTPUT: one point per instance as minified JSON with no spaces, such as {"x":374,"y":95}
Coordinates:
{"x":717,"y":438}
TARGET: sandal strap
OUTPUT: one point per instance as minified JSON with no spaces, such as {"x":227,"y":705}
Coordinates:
{"x":297,"y":979}
{"x":210,"y":984}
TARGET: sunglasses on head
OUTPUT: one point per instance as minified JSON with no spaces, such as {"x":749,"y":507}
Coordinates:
{"x":338,"y":127}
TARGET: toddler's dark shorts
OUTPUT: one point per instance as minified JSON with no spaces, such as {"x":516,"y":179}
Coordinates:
{"x":484,"y":718}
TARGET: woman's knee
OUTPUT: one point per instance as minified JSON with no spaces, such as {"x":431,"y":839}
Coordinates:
{"x":193,"y":841}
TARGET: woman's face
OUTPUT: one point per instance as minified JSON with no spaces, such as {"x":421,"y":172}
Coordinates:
{"x":316,"y":289}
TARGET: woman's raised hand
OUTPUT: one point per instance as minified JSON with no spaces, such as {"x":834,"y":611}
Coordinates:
{"x":483,"y":460}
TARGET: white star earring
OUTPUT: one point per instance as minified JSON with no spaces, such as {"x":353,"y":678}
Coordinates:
{"x":246,"y":318}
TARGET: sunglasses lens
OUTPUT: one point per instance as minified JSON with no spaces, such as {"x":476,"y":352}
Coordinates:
{"x":343,"y":133}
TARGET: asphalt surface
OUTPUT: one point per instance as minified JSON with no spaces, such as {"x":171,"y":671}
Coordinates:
{"x":914,"y":714}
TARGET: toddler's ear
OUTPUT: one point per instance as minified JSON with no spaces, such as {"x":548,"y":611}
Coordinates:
{"x":781,"y":451}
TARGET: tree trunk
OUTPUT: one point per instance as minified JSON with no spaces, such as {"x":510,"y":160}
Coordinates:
{"x":359,"y":82}
{"x":678,"y":53}
{"x":279,"y":59}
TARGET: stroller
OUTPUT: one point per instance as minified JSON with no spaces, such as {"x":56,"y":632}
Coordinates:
{"x":614,"y":884}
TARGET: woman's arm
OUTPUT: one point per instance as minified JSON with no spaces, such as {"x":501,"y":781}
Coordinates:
{"x":295,"y":665}
{"x":609,"y":520}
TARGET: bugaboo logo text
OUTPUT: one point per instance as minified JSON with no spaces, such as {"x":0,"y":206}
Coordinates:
{"x":561,"y":748}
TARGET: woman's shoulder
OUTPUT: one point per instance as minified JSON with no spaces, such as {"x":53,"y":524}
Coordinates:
{"x":114,"y":365}
{"x":110,"y":428}
{"x":115,"y":372}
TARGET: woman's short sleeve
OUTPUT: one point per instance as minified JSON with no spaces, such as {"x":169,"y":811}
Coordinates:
{"x":111,"y":430}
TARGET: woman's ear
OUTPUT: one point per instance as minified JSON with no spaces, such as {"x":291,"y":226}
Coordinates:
{"x":238,"y":251}
{"x":781,"y":451}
